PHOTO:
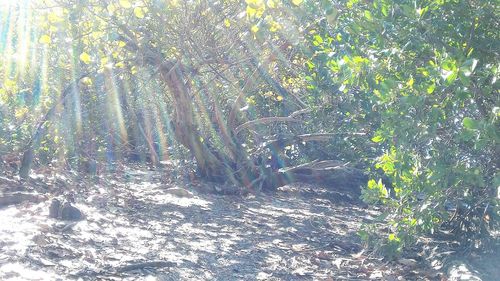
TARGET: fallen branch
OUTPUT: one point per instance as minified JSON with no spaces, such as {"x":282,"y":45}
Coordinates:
{"x":287,"y":140}
{"x":333,"y":172}
{"x":317,"y":165}
{"x":17,"y":198}
{"x":299,"y":112}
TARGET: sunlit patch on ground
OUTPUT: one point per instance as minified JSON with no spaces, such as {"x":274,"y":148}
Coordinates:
{"x":205,"y":236}
{"x":134,"y":229}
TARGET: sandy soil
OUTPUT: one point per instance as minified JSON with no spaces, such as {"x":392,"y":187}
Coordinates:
{"x":136,"y":227}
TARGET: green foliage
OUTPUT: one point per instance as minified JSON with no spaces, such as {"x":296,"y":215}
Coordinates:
{"x":430,"y":69}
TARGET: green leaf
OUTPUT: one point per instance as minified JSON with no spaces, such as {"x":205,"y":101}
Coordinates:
{"x":393,"y":237}
{"x":368,"y":15}
{"x":372,"y":184}
{"x":470,"y":123}
{"x":384,"y":10}
{"x":431,"y":88}
{"x":469,"y":66}
{"x":317,"y":40}
{"x":451,"y":77}
{"x":410,"y":82}
{"x":377,"y":139}
{"x":448,"y":65}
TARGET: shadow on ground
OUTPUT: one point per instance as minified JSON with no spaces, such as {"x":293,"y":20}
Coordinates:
{"x":136,"y":230}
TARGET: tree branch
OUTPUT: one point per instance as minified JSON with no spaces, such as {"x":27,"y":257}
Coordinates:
{"x":265,"y":120}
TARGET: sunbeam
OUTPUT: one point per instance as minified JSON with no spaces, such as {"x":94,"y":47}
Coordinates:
{"x":220,"y":140}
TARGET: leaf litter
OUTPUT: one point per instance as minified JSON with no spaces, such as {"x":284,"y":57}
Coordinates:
{"x":142,"y":225}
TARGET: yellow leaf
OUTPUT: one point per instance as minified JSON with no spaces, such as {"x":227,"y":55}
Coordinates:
{"x":251,"y":12}
{"x":52,"y":17}
{"x":274,"y":26}
{"x":297,"y":2}
{"x":272,"y":3}
{"x":87,"y":81}
{"x":393,"y":237}
{"x":254,"y":29}
{"x":268,"y":94}
{"x":120,"y":65}
{"x":255,"y":9}
{"x":256,"y":4}
{"x":227,"y":23}
{"x":410,"y":82}
{"x":174,"y":3}
{"x":279,"y":98}
{"x":20,"y":112}
{"x":3,"y":95}
{"x":104,"y":61}
{"x":121,"y":44}
{"x":85,"y":58}
{"x":125,"y":4}
{"x":111,"y":9}
{"x":139,"y":12}
{"x":9,"y":84}
{"x":251,"y":100}
{"x":97,"y":35}
{"x":45,"y":39}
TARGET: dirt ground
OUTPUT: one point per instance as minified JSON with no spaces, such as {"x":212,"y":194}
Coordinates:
{"x":139,"y":226}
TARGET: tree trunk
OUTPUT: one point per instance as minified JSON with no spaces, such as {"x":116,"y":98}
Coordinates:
{"x":213,"y":165}
{"x":34,"y":143}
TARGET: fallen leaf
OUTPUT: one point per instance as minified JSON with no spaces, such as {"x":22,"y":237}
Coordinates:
{"x":179,"y":192}
{"x":376,"y":275}
{"x":338,"y":262}
{"x":299,"y":247}
{"x":408,"y":262}
{"x":323,"y":256}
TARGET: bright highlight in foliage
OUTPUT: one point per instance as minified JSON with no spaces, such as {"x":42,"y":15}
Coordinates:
{"x":125,"y":4}
{"x":85,"y":58}
{"x":139,"y":12}
{"x":45,"y":39}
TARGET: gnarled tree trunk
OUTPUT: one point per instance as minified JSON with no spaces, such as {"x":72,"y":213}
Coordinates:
{"x":233,"y":162}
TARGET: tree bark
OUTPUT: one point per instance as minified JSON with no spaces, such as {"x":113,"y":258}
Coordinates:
{"x":34,"y":143}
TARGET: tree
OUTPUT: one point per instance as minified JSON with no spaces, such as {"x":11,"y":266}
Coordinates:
{"x":429,"y":70}
{"x":238,"y":107}
{"x":265,"y":92}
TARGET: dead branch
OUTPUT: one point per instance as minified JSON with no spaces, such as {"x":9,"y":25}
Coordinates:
{"x":300,"y":112}
{"x":287,"y":140}
{"x":17,"y":198}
